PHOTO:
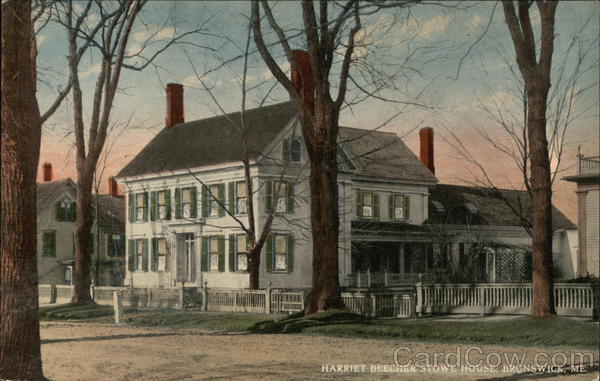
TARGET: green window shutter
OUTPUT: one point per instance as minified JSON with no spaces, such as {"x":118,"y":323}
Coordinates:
{"x":268,"y":196}
{"x":110,"y":245}
{"x":231,"y":194}
{"x":168,"y":257}
{"x":168,"y":203}
{"x":290,"y":253}
{"x":145,"y":255}
{"x":359,"y":204}
{"x":221,"y":199}
{"x":285,"y":150}
{"x":221,"y":241}
{"x":153,"y":206}
{"x":59,"y":211}
{"x":131,"y":256}
{"x":406,"y":207}
{"x":391,"y":213}
{"x":74,"y":211}
{"x":131,"y":197}
{"x":375,"y":206}
{"x":204,"y":256}
{"x":290,"y":198}
{"x":232,"y":252}
{"x":177,"y":203}
{"x":205,"y":198}
{"x":154,"y":262}
{"x":146,"y":206}
{"x":194,"y":213}
{"x":269,"y":256}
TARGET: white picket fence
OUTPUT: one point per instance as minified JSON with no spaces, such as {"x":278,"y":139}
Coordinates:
{"x":381,"y":304}
{"x":511,"y":299}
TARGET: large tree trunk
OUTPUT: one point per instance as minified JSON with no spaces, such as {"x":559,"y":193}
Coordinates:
{"x":254,"y":267}
{"x":19,"y":324}
{"x":83,"y":239}
{"x":541,"y":200}
{"x":325,"y":294}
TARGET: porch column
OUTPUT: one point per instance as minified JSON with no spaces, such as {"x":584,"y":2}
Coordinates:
{"x":401,"y":253}
{"x":582,"y":270}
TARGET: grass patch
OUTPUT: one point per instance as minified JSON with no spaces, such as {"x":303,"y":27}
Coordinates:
{"x":193,"y":319}
{"x":71,"y":311}
{"x":520,"y":331}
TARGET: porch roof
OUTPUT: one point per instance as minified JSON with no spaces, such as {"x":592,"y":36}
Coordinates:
{"x":389,"y":231}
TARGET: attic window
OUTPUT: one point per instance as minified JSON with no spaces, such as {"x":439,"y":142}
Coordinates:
{"x":472,"y":209}
{"x":439,"y":207}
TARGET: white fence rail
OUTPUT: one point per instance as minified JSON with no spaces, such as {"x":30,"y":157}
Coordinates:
{"x":381,"y":304}
{"x":570,"y":299}
{"x":385,"y":278}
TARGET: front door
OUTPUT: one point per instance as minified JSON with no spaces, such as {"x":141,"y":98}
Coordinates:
{"x":186,"y":258}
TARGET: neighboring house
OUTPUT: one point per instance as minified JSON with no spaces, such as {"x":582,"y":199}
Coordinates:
{"x":179,"y":234}
{"x":56,"y":220}
{"x":588,"y":204}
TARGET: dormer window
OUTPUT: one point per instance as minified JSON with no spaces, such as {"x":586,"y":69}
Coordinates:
{"x":291,"y":150}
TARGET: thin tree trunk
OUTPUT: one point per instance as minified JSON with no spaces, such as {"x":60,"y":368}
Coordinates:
{"x":541,"y":193}
{"x":21,"y":131}
{"x":254,"y":267}
{"x":83,"y":241}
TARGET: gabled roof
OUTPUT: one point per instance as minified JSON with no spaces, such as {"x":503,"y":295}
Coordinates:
{"x":209,"y":141}
{"x":48,"y":192}
{"x":466,"y":205}
{"x":217,"y":140}
{"x":384,"y":155}
{"x":112,"y":208}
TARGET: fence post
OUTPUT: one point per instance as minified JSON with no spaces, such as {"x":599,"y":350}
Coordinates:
{"x":373,"y":305}
{"x":358,"y":284}
{"x":53,"y":293}
{"x":118,"y":306}
{"x":181,"y":296}
{"x":419,"y":296}
{"x":268,"y":299}
{"x":482,"y":300}
{"x":92,"y":291}
{"x":205,"y":296}
{"x":396,"y":308}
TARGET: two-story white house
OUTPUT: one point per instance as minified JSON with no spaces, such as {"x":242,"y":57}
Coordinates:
{"x":186,"y":193}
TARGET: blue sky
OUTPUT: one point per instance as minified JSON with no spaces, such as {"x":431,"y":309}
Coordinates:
{"x":435,"y":37}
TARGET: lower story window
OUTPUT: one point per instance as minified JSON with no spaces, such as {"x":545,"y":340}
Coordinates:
{"x":241,"y":255}
{"x":69,"y":275}
{"x":213,"y":254}
{"x":139,"y":255}
{"x":280,"y":252}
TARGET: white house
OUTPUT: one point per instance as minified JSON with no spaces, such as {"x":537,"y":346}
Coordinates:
{"x":178,"y":233}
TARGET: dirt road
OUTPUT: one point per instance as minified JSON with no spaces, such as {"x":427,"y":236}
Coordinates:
{"x":94,"y":351}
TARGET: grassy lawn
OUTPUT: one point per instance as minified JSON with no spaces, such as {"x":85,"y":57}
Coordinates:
{"x":518,"y":331}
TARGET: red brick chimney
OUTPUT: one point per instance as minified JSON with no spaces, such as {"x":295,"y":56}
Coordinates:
{"x":48,"y":172}
{"x":174,"y":104}
{"x":302,"y":78}
{"x":426,"y":135}
{"x":113,"y":187}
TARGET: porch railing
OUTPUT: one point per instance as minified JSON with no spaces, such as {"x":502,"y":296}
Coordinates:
{"x":398,"y":304}
{"x":588,"y":165}
{"x":385,"y":278}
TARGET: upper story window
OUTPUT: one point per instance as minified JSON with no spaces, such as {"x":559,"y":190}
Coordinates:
{"x":138,"y":207}
{"x":49,"y":243}
{"x":66,"y":210}
{"x":160,"y":205}
{"x":280,"y":253}
{"x":214,"y":200}
{"x":291,"y":150}
{"x":238,"y":197}
{"x":399,"y":207}
{"x":282,"y":193}
{"x":186,"y":203}
{"x":367,"y":205}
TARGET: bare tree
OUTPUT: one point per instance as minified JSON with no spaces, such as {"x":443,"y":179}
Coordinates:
{"x":20,"y":356}
{"x":327,"y":37}
{"x":536,"y":69}
{"x":109,"y":33}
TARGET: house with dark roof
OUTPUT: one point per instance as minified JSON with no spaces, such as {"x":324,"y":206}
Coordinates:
{"x":186,"y":193}
{"x":587,"y":179}
{"x":56,"y":222}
